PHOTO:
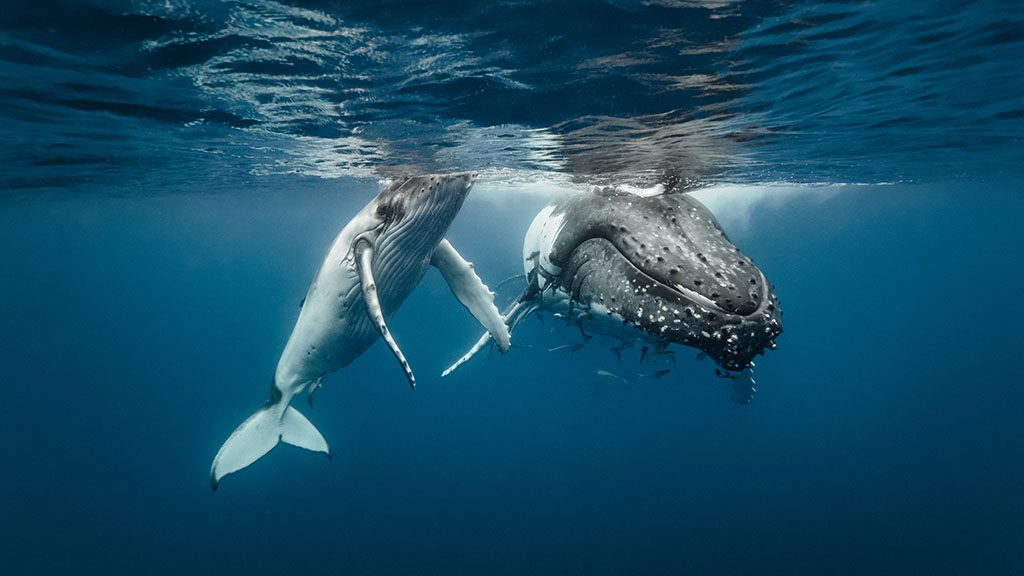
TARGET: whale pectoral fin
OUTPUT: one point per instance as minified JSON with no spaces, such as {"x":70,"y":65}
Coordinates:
{"x":484,"y":339}
{"x":471,"y":292}
{"x":513,"y":315}
{"x":364,"y":258}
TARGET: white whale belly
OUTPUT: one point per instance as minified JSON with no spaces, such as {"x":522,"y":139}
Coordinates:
{"x":333,"y":327}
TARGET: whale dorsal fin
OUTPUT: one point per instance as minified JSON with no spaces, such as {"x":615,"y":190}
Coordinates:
{"x":364,"y":258}
{"x":471,"y":292}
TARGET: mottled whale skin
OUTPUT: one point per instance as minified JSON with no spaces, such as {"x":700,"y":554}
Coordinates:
{"x":658,"y":268}
{"x":371,"y":267}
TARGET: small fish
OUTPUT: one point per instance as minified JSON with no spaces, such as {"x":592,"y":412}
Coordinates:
{"x":660,"y":373}
{"x":608,"y":374}
{"x":575,"y":346}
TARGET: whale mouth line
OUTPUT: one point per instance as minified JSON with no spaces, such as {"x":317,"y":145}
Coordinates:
{"x":688,"y":294}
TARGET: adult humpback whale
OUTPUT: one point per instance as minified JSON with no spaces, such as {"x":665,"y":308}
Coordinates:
{"x":372,"y":266}
{"x":658,"y":269}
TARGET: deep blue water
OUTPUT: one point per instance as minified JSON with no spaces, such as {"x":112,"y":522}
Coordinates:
{"x":174,"y":171}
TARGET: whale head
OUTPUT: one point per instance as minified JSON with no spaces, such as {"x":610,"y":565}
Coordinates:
{"x":414,"y":213}
{"x":662,"y":265}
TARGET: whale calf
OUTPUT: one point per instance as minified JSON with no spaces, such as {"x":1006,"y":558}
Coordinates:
{"x":658,"y":269}
{"x":372,"y":266}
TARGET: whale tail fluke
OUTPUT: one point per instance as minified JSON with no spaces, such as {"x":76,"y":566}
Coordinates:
{"x":259,"y":434}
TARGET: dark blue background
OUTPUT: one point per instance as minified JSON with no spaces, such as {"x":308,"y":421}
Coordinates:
{"x":172,"y":172}
{"x":139,"y":331}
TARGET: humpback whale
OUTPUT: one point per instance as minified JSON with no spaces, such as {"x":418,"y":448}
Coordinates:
{"x":658,"y":269}
{"x":372,"y":266}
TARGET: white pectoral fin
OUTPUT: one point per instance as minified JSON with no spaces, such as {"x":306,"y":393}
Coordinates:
{"x":484,"y":339}
{"x":513,"y":315}
{"x":364,"y":259}
{"x":471,"y":292}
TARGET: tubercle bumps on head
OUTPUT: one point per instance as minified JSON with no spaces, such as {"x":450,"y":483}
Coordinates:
{"x":707,"y":283}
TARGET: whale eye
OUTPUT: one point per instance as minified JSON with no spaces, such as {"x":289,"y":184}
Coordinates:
{"x":383,"y":210}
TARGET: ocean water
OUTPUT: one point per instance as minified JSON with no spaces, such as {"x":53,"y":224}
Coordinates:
{"x":173,"y":172}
